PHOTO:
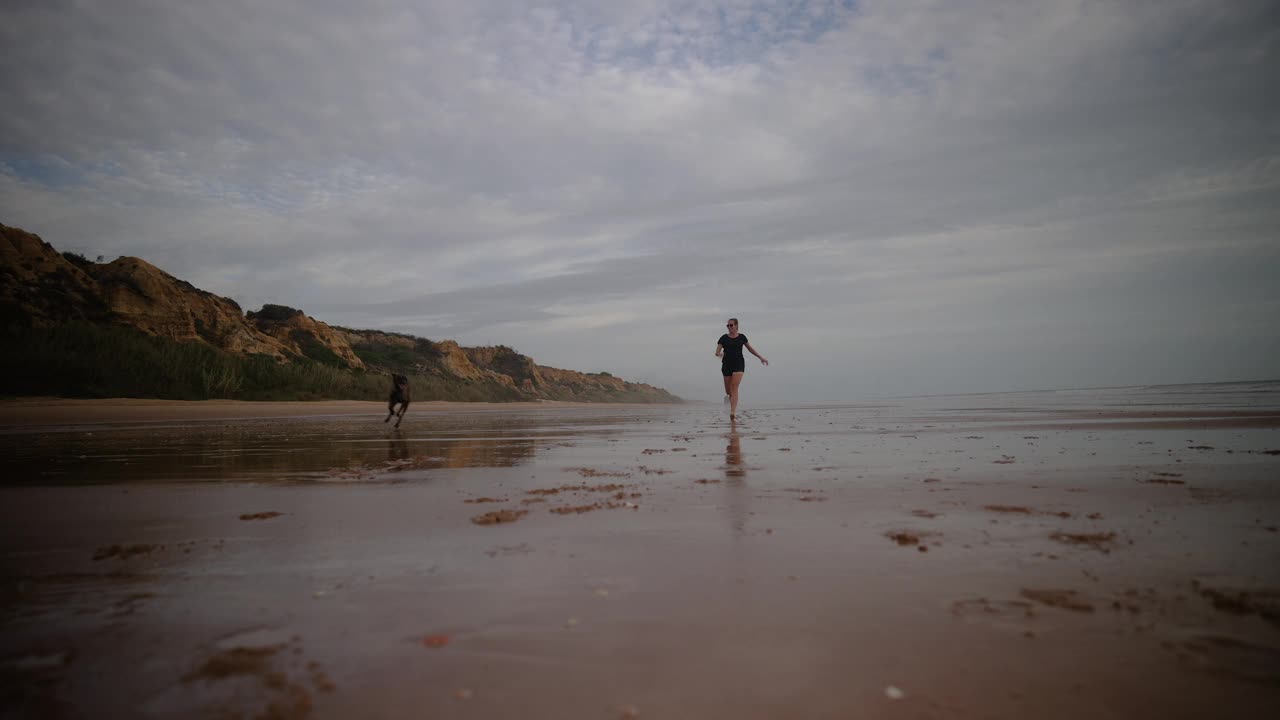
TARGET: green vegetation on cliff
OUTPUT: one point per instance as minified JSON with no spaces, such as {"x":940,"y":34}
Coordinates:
{"x":86,"y":360}
{"x":83,"y":359}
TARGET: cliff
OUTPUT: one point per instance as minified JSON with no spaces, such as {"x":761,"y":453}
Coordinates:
{"x":41,"y":289}
{"x":498,"y":366}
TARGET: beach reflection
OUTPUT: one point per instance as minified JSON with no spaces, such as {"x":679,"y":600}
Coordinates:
{"x":735,"y":484}
{"x":277,"y":450}
{"x":397,"y":450}
{"x":733,"y":467}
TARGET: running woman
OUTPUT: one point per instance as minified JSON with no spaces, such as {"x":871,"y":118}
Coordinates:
{"x":732,"y":364}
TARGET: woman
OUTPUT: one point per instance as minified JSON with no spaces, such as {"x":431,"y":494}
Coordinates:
{"x":732,"y":363}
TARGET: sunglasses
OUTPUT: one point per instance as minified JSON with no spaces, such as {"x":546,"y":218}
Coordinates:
{"x":730,"y":324}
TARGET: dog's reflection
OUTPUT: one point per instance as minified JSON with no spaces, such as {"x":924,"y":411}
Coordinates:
{"x":397,"y":449}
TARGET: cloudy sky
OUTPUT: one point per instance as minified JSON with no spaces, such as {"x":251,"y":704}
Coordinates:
{"x":895,"y":196}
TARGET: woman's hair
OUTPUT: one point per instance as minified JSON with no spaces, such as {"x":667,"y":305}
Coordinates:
{"x":733,"y":320}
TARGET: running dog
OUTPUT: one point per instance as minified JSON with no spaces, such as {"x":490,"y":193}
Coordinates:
{"x":399,"y":394}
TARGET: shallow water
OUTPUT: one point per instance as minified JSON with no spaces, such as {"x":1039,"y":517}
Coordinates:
{"x":1123,"y":424}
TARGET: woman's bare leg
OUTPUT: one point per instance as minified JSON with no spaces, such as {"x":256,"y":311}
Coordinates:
{"x":728,"y":386}
{"x":733,"y":384}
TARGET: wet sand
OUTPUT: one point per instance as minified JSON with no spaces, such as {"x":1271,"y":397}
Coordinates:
{"x":924,"y":558}
{"x":27,"y":413}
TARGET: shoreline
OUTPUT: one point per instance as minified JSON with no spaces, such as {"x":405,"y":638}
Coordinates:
{"x":51,"y":412}
{"x":37,"y":413}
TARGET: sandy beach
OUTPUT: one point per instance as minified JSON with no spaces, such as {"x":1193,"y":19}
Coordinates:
{"x":29,"y":413}
{"x":1111,"y":554}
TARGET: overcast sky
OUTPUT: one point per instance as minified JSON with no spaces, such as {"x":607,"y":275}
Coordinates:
{"x":895,"y":197}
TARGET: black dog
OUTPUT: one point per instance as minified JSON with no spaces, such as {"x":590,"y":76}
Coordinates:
{"x":399,"y":394}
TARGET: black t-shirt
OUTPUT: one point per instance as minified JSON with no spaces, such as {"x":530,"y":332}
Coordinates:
{"x":733,"y":348}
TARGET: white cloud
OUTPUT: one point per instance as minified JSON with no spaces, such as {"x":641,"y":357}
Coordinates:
{"x":895,"y":196}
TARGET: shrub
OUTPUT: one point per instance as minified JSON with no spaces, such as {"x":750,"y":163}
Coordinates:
{"x":89,"y":360}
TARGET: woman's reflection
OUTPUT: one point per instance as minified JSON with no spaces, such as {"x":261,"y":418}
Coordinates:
{"x":735,"y":483}
{"x":733,"y":457}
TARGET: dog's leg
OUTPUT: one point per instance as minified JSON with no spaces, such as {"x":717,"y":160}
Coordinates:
{"x":391,"y":409}
{"x":403,"y":407}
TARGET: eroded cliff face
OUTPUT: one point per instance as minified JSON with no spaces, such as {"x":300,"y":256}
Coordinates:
{"x":397,"y":353}
{"x":455,"y":360}
{"x":143,"y":296}
{"x":41,"y":287}
{"x":562,"y":384}
{"x":505,"y":361}
{"x":550,"y":383}
{"x":498,"y":364}
{"x":38,"y":286}
{"x":303,"y":335}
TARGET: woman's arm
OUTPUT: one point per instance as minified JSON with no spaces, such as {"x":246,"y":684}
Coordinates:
{"x":753,"y":352}
{"x":719,"y":350}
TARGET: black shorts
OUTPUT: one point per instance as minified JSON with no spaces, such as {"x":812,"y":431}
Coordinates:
{"x":730,"y":367}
